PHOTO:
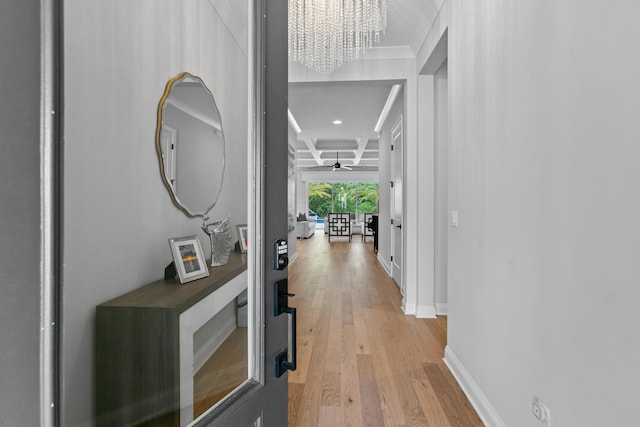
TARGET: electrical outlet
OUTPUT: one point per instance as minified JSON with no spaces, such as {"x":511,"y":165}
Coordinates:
{"x":542,"y":413}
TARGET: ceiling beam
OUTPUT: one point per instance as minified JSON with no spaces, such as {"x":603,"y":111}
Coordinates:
{"x":393,"y":94}
{"x":362,"y":144}
{"x":311,"y":145}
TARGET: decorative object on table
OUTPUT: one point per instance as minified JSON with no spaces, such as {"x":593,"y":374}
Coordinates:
{"x":188,"y":258}
{"x":243,"y":237}
{"x":191,"y":150}
{"x":221,"y":240}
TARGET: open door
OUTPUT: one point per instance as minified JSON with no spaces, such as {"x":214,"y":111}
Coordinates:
{"x":396,"y":203}
{"x":262,"y":400}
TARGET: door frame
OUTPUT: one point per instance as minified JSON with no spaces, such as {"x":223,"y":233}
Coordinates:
{"x":397,"y":191}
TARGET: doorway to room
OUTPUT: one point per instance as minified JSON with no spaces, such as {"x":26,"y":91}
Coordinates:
{"x":396,"y":202}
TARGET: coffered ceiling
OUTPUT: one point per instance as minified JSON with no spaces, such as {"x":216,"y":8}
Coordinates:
{"x":314,"y":106}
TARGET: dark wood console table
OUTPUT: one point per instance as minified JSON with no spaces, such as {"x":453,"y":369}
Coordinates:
{"x":143,"y":347}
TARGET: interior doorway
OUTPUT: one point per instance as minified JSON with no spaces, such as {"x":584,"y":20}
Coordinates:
{"x":397,"y":138}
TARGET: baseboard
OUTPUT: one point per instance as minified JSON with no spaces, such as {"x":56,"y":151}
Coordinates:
{"x":293,"y":257}
{"x":480,"y":403}
{"x":214,"y":341}
{"x":408,"y":309}
{"x":426,"y":312}
{"x":442,"y":308}
{"x":387,"y":267}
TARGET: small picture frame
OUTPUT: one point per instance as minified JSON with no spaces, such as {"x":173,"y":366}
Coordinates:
{"x":243,"y":237}
{"x":188,"y":258}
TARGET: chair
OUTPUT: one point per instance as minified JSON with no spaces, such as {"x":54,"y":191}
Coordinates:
{"x":371,"y":225}
{"x":368,"y":231}
{"x":339,"y":225}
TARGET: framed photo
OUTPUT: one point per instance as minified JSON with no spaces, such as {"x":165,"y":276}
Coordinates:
{"x":243,"y":237}
{"x":188,"y":258}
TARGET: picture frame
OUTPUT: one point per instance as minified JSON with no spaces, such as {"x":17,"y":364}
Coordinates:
{"x":243,"y":237}
{"x":188,"y":258}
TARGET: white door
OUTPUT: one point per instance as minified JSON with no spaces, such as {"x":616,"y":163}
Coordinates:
{"x":396,"y":202}
{"x":169,"y":141}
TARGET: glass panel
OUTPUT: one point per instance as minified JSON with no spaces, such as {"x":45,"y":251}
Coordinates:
{"x":153,"y":334}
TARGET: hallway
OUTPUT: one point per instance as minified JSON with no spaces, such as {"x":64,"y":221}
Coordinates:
{"x":361,"y":361}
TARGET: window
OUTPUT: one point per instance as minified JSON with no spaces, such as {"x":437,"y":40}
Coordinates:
{"x":348,"y":197}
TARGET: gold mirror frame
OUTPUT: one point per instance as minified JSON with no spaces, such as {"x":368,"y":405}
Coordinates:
{"x":180,"y":204}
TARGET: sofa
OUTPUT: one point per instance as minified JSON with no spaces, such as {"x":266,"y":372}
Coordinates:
{"x":305,"y":227}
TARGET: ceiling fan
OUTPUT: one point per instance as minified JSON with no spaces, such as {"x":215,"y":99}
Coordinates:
{"x":337,"y":165}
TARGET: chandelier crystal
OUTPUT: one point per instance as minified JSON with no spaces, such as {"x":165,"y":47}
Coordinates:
{"x":324,"y":34}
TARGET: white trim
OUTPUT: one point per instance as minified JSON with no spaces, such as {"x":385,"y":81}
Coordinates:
{"x":292,"y":122}
{"x":479,"y":401}
{"x":189,"y":322}
{"x":442,"y":308}
{"x":387,"y":267}
{"x":293,"y":258}
{"x":236,"y":26}
{"x":391,"y":99}
{"x":225,"y":325}
{"x":408,"y":309}
{"x":380,"y":53}
{"x":426,"y":312}
{"x":50,"y":55}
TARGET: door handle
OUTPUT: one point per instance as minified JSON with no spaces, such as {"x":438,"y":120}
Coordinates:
{"x":399,"y":226}
{"x":284,"y":359}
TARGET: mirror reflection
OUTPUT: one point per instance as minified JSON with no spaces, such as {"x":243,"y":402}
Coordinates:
{"x":190,"y":144}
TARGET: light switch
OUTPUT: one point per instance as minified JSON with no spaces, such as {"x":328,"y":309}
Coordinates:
{"x":454,"y":219}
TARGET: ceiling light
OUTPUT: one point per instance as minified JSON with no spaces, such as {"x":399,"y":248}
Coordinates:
{"x":324,"y":34}
{"x":337,"y":122}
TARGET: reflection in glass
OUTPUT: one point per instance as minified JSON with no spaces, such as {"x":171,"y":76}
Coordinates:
{"x":191,"y":144}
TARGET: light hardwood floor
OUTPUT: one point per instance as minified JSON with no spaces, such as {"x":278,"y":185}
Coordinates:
{"x":225,"y":370}
{"x":361,"y":361}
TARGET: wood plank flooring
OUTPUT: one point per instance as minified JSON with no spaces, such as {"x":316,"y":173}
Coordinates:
{"x":225,"y":370}
{"x":361,"y":361}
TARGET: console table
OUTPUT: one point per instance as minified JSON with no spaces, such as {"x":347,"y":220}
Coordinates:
{"x":144,"y":346}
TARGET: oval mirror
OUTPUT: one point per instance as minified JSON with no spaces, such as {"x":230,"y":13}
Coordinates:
{"x":190,"y":144}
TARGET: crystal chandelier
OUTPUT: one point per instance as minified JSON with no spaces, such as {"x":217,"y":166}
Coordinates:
{"x":324,"y":34}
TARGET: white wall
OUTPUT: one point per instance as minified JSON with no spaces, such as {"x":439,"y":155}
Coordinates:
{"x":543,"y":277}
{"x":118,"y":214}
{"x":441,"y":164}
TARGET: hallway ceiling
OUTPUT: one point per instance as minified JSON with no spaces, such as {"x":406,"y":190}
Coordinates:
{"x":315,"y":105}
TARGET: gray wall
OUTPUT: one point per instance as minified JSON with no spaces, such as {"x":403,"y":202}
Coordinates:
{"x":543,"y":278}
{"x":20,"y":213}
{"x":118,"y":59}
